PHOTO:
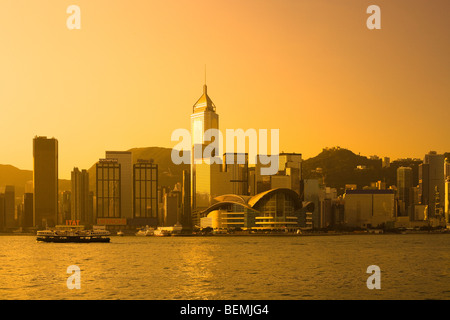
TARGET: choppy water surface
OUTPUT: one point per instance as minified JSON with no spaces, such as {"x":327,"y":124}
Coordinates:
{"x":247,"y":267}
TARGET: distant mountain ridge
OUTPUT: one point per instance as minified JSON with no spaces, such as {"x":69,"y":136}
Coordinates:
{"x":13,"y":176}
{"x":10,"y":175}
{"x":338,"y":166}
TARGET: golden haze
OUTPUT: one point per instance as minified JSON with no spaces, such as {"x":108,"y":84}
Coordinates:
{"x":312,"y":69}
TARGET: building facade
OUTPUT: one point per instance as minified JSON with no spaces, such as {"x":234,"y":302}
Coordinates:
{"x":10,"y":208}
{"x":273,"y":210}
{"x":108,"y":189}
{"x":81,"y":205}
{"x":432,"y":183}
{"x":369,"y":208}
{"x":203,"y":118}
{"x":405,"y":191}
{"x":145,"y":189}
{"x":27,"y":210}
{"x":45,"y":182}
{"x":125,"y":159}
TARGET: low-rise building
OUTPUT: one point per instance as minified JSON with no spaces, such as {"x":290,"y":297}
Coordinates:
{"x":275,"y":209}
{"x":369,"y":208}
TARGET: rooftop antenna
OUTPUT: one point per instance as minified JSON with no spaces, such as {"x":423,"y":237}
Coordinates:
{"x":204,"y":86}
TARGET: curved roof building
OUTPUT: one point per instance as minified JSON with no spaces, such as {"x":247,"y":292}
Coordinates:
{"x":275,"y":209}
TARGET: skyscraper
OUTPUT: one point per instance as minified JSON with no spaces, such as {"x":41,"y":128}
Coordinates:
{"x":447,"y":168}
{"x":436,"y":181}
{"x":108,"y":188}
{"x":186,"y":200}
{"x":289,"y":174}
{"x":2,"y":211}
{"x":124,"y":158}
{"x":27,"y":210}
{"x":447,"y":201}
{"x":404,"y":187}
{"x":10,"y":207}
{"x":203,"y":118}
{"x":65,"y":205}
{"x":45,"y":181}
{"x":80,"y":209}
{"x":235,"y":175}
{"x":145,"y":189}
{"x":424,"y":182}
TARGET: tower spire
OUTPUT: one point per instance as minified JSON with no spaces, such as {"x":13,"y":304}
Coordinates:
{"x":204,"y":103}
{"x":204,"y":85}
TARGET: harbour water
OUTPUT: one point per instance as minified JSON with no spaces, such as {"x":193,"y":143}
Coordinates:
{"x":413,"y":266}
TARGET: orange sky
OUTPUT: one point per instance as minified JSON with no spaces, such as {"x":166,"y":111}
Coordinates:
{"x":312,"y":69}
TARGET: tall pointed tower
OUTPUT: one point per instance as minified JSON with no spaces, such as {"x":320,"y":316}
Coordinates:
{"x":203,"y":117}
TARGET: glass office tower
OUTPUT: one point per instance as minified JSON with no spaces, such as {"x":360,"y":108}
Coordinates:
{"x":145,"y":189}
{"x":203,"y":118}
{"x":108,"y":188}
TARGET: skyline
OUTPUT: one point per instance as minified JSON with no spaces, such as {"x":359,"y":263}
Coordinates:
{"x":148,"y":61}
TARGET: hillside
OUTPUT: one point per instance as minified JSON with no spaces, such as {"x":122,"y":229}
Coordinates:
{"x":12,"y":176}
{"x":339,"y":167}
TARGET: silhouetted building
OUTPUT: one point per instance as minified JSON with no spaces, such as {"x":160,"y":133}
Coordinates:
{"x":289,"y":175}
{"x":27,"y":210}
{"x":235,"y":174}
{"x":405,"y":191}
{"x":66,"y":206}
{"x":171,"y":209}
{"x":80,"y":202}
{"x":432,"y":182}
{"x":447,"y":168}
{"x":10,"y":207}
{"x":369,"y":208}
{"x":145,"y":189}
{"x":124,"y":158}
{"x":186,"y":200}
{"x":447,"y":200}
{"x":108,"y":188}
{"x":424,"y":183}
{"x":2,"y":211}
{"x":45,"y":181}
{"x":312,"y":193}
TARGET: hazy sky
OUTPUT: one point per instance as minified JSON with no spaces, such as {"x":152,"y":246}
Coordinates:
{"x":310,"y":68}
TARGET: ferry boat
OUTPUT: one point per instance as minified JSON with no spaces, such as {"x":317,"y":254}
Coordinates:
{"x":161,"y":233}
{"x":168,"y":231}
{"x":64,"y":234}
{"x":147,"y":231}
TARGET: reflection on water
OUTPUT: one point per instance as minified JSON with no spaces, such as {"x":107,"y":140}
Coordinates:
{"x":322,"y":267}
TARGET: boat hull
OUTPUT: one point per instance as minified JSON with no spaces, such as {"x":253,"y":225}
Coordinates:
{"x":75,"y":239}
